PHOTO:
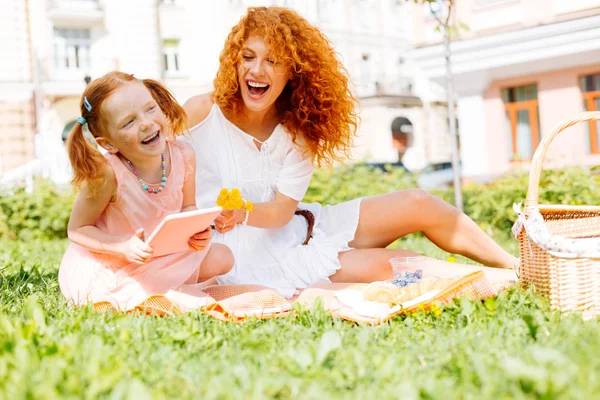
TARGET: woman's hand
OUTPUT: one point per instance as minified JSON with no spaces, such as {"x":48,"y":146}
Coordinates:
{"x":199,"y":241}
{"x":136,"y":250}
{"x":226,"y":221}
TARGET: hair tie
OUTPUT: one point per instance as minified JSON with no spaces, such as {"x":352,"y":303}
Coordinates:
{"x":87,"y":104}
{"x":81,"y":120}
{"x":140,"y":79}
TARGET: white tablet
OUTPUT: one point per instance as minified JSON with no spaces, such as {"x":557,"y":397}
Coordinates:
{"x":173,"y":233}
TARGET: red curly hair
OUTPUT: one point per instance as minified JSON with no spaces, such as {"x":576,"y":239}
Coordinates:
{"x":87,"y":161}
{"x":316,"y":104}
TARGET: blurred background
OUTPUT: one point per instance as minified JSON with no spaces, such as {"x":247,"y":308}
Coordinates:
{"x":519,"y":67}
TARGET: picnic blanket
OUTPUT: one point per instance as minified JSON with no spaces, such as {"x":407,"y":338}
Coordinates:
{"x":343,"y":300}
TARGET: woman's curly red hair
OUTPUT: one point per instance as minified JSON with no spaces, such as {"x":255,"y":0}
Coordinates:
{"x":316,"y":105}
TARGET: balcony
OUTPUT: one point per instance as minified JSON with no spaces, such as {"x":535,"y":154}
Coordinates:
{"x":75,"y":12}
{"x":393,"y":87}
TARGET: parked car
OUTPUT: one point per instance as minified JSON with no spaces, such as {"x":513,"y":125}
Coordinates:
{"x":433,"y":176}
{"x":386,"y":166}
{"x":436,"y":176}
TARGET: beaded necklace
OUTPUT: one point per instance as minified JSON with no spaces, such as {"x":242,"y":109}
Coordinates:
{"x":145,"y":186}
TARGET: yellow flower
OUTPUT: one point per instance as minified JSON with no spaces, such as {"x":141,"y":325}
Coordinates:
{"x":232,"y":200}
{"x":222,"y":200}
{"x":451,"y":259}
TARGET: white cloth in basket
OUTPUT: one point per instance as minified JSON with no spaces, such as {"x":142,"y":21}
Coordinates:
{"x":558,"y":246}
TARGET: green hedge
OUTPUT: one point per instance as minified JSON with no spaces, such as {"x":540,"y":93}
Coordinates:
{"x":490,"y":205}
{"x":44,"y":213}
{"x":349,"y":182}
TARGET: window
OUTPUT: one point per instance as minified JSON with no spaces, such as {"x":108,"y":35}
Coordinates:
{"x":521,"y":105}
{"x":72,"y":49}
{"x":590,"y":88}
{"x":171,"y":56}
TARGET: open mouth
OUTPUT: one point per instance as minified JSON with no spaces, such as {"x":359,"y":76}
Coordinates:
{"x":152,"y":139}
{"x":256,"y":89}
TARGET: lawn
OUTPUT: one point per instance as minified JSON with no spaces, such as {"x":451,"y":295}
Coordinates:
{"x":510,"y":347}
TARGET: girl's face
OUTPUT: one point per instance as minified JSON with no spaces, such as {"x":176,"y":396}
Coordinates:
{"x":136,"y":125}
{"x":261,"y":80}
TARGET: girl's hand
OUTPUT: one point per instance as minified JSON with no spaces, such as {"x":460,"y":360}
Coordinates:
{"x":136,"y":250}
{"x":199,"y":241}
{"x":226,"y":221}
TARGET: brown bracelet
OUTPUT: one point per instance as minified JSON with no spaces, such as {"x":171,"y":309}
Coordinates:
{"x":310,"y":218}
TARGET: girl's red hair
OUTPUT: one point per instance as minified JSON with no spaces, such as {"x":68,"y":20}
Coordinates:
{"x":88,"y":163}
{"x":317,"y":104}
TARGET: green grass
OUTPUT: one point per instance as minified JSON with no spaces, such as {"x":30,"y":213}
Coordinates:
{"x":510,"y":347}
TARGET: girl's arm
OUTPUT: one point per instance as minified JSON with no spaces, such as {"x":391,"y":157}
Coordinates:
{"x":88,"y":207}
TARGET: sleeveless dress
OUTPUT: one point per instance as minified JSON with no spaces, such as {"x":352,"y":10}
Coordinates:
{"x":86,"y":276}
{"x":227,"y":157}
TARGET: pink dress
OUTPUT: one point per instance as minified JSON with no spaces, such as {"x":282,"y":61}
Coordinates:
{"x":90,"y":277}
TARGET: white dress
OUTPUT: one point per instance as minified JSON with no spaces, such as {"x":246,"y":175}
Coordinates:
{"x":227,"y":157}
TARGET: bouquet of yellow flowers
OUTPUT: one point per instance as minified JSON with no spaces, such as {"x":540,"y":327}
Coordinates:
{"x":232,"y":200}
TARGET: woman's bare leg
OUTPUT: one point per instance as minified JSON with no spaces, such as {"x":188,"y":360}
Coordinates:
{"x":385,"y":218}
{"x":369,"y":265}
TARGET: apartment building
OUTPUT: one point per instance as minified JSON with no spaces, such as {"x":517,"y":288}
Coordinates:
{"x":521,"y":67}
{"x":54,"y":47}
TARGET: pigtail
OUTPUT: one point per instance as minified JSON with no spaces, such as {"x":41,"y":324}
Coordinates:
{"x":169,"y":106}
{"x":87,"y":162}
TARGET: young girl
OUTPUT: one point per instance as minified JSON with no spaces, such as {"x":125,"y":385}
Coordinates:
{"x":126,"y":193}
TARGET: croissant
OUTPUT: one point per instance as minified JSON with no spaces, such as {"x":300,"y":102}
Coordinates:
{"x":389,"y":294}
{"x":381,"y":292}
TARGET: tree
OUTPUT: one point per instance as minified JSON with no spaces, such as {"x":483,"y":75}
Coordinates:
{"x":437,"y":8}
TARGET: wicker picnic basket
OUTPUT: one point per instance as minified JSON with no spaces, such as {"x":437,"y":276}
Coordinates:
{"x":560,"y":244}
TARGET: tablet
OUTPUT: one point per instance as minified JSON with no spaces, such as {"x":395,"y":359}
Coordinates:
{"x":173,"y":233}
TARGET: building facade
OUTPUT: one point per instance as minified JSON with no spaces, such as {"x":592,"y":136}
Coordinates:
{"x":54,"y":47}
{"x":522,"y":67}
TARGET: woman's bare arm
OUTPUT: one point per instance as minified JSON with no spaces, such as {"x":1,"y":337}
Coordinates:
{"x":197,"y":108}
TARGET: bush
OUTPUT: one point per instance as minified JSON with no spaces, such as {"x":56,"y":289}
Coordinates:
{"x":42,"y":214}
{"x":490,"y":205}
{"x":351,"y":181}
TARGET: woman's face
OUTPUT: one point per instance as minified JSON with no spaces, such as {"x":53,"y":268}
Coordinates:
{"x":261,"y":80}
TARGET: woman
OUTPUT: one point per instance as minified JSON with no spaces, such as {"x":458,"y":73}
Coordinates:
{"x":281,"y":106}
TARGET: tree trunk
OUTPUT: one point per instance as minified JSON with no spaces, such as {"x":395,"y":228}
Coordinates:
{"x":458,"y":201}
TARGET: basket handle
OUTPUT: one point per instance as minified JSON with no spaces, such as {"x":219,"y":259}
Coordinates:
{"x":531,"y":202}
